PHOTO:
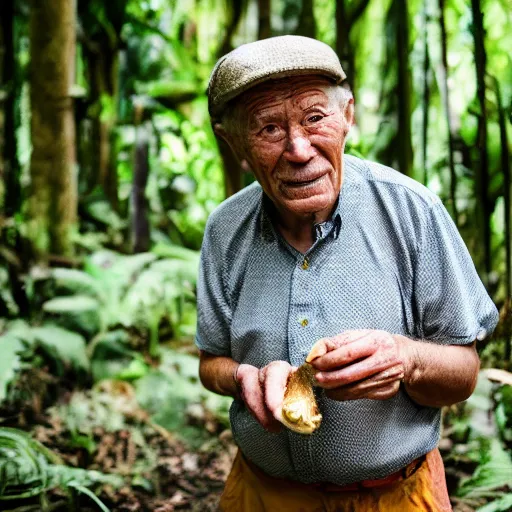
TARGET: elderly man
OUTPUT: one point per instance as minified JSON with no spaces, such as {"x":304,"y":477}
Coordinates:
{"x":345,"y":255}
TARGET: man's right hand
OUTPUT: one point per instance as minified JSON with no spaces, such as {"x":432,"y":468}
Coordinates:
{"x":262,"y":391}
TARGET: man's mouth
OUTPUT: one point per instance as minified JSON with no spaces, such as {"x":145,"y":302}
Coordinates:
{"x":302,"y":183}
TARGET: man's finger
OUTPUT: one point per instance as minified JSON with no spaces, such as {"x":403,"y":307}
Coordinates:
{"x":252,"y":395}
{"x":276,"y":377}
{"x":347,"y":353}
{"x":325,"y":345}
{"x":354,"y":372}
{"x":367,"y":387}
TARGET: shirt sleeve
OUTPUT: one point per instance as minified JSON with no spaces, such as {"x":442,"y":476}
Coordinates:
{"x":452,"y":304}
{"x":213,"y":310}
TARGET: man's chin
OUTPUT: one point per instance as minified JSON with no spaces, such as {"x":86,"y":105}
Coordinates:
{"x":311,"y":205}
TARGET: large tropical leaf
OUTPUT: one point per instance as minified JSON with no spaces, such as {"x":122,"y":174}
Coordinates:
{"x":28,"y":468}
{"x":10,"y":361}
{"x":176,"y":252}
{"x":502,"y":504}
{"x":493,"y":473}
{"x":65,"y":345}
{"x":71,"y":304}
{"x":113,"y":359}
{"x":77,"y":281}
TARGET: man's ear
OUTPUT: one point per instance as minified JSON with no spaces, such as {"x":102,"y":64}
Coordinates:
{"x":350,"y":112}
{"x":245,"y":165}
{"x":223,"y":134}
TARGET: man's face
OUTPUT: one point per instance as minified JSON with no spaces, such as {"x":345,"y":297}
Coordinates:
{"x":293,"y":138}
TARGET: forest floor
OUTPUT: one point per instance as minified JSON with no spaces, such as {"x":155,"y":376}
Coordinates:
{"x":105,"y":429}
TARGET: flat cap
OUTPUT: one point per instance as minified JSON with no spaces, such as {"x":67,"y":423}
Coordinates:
{"x":275,"y":57}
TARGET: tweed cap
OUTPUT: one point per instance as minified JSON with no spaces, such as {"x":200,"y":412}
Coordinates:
{"x":275,"y":57}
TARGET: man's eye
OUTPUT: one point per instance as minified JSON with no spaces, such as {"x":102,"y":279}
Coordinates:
{"x":272,"y":132}
{"x":315,"y":118}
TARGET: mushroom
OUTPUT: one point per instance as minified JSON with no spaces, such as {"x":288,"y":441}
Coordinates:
{"x":300,"y":411}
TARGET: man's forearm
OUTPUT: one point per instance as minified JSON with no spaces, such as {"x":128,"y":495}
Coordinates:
{"x":438,"y":375}
{"x":217,"y":373}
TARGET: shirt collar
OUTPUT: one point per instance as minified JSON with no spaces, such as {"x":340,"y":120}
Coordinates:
{"x":322,"y":230}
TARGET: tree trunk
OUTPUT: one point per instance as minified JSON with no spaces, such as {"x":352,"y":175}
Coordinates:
{"x":345,"y":21}
{"x":232,"y":169}
{"x":343,"y":46}
{"x":236,"y":15}
{"x":11,"y":199}
{"x":103,"y":66}
{"x":307,"y":22}
{"x":264,"y":14}
{"x":426,"y":92}
{"x":507,"y":191}
{"x":53,"y":201}
{"x":404,"y":89}
{"x":9,"y":80}
{"x":140,"y":207}
{"x":482,"y":164}
{"x":445,"y":93}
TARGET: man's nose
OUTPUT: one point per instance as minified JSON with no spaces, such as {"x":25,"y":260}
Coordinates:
{"x":298,"y":148}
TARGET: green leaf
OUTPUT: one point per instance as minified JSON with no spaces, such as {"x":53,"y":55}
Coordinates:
{"x":88,"y":492}
{"x":180,"y":270}
{"x":135,"y":370}
{"x":21,"y":330}
{"x":113,"y":359}
{"x":10,"y":361}
{"x":72,"y":304}
{"x":66,"y":345}
{"x":175,"y":91}
{"x":77,"y":281}
{"x":176,"y":252}
{"x":493,"y":473}
{"x":103,"y":212}
{"x":503,"y":504}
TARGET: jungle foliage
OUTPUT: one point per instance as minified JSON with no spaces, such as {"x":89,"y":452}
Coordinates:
{"x":108,"y":172}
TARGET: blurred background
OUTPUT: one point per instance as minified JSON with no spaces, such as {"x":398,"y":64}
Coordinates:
{"x":108,"y":172}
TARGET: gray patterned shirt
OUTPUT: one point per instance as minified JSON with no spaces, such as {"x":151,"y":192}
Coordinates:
{"x":390,"y":258}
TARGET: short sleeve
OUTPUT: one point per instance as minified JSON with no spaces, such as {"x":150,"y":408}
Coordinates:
{"x":452,"y":304}
{"x":213,"y":310}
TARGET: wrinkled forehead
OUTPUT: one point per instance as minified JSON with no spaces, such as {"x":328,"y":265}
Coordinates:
{"x":273,"y":93}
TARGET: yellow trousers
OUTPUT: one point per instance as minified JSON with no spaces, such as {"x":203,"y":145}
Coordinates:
{"x":248,"y":489}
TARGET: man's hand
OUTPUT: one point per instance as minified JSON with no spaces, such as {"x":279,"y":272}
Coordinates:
{"x":358,"y":364}
{"x":263,"y":391}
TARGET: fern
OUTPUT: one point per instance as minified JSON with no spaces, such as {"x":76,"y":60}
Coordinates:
{"x":28,"y":468}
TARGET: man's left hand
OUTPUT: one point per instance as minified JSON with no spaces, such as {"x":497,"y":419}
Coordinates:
{"x":358,"y":364}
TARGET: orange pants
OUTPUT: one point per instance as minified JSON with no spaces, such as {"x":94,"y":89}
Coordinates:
{"x":248,"y":489}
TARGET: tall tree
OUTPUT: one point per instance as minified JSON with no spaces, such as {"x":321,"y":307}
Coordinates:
{"x":507,"y":196}
{"x":482,"y":164}
{"x":404,"y":87}
{"x":307,"y":22}
{"x":140,"y":206}
{"x":232,"y":169}
{"x":445,"y":93}
{"x":9,"y":94}
{"x":101,"y":24}
{"x":394,"y":146}
{"x":10,"y":170}
{"x":264,"y":17}
{"x":53,"y":202}
{"x":426,"y":92}
{"x":347,"y":14}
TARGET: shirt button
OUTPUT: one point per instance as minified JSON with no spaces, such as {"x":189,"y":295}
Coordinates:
{"x":305,"y":264}
{"x":304,"y":322}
